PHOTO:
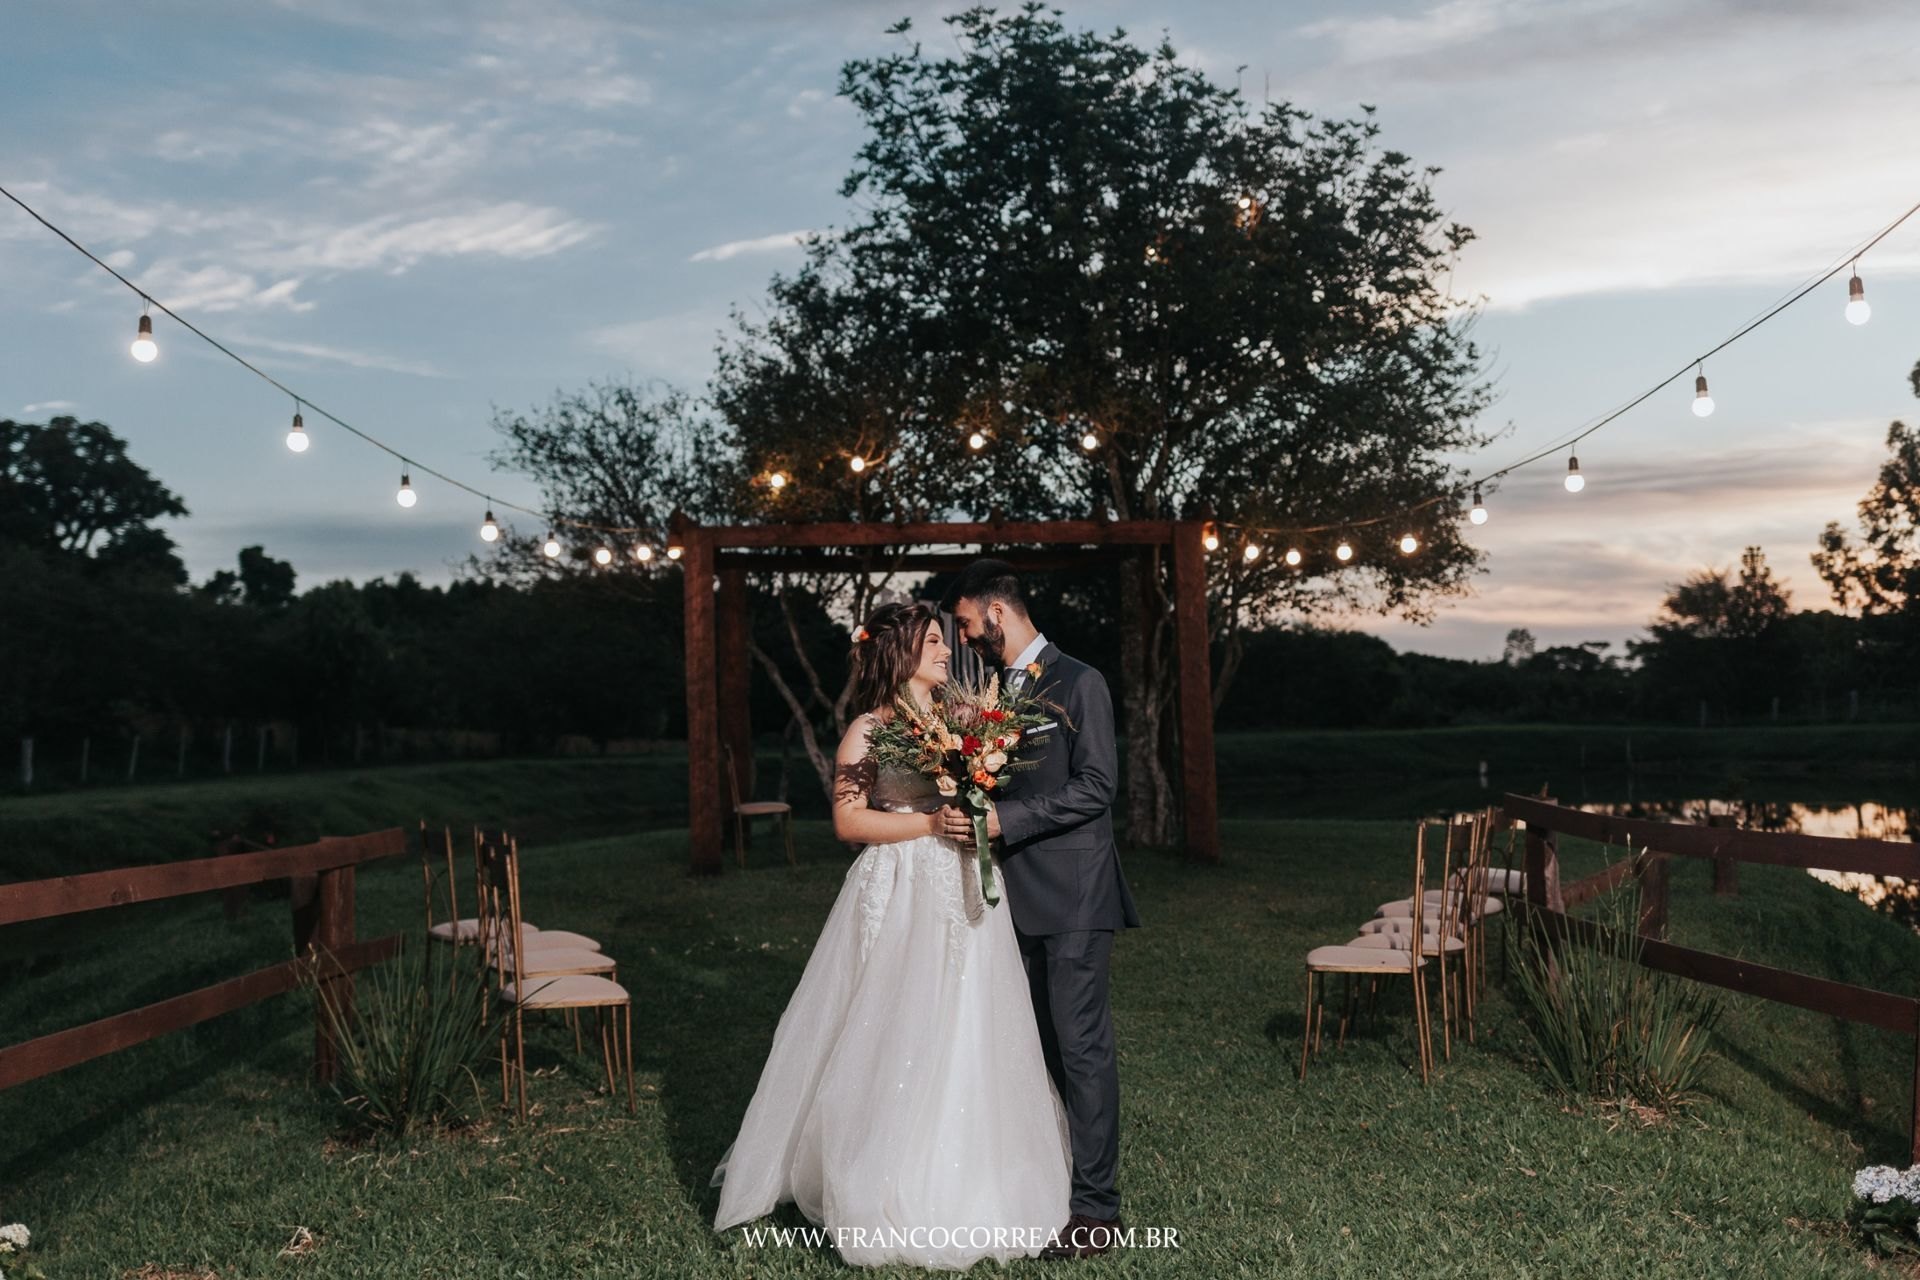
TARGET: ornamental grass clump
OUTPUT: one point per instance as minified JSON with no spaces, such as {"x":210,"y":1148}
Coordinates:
{"x":1605,"y":1027}
{"x":412,"y":1038}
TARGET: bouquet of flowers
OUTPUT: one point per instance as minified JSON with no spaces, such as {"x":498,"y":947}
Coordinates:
{"x":14,"y":1240}
{"x":965,"y":745}
{"x":1886,"y":1205}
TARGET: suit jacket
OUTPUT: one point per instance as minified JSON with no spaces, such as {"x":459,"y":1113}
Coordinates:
{"x":1060,"y":862}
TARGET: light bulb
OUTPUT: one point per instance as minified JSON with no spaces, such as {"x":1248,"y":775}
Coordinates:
{"x":675,"y":552}
{"x":1575,"y":481}
{"x":1210,"y":536}
{"x":857,"y":463}
{"x":1293,"y":557}
{"x":1246,"y":202}
{"x":1344,"y":552}
{"x":297,"y":436}
{"x":551,"y":547}
{"x":1090,"y":441}
{"x":1857,"y":309}
{"x":976,"y":442}
{"x":1409,"y":544}
{"x":1252,"y":552}
{"x":489,"y":531}
{"x":144,"y":347}
{"x":406,"y":497}
{"x":643,"y":553}
{"x":1479,"y":513}
{"x":1702,"y":402}
{"x":602,"y":556}
{"x":778,"y":480}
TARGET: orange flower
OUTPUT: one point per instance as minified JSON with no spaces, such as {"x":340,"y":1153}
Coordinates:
{"x":984,"y":778}
{"x":1033,"y":669}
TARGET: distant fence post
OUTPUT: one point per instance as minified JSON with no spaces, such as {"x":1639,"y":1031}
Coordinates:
{"x":1726,"y":872}
{"x":133,"y":758}
{"x":180,"y":757}
{"x":226,"y":750}
{"x":86,"y":750}
{"x":26,"y":762}
{"x":260,"y":752}
{"x":323,"y":928}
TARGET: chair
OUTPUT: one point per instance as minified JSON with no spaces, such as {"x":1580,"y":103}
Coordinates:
{"x":1374,"y":963}
{"x":745,"y":812}
{"x":531,"y":939}
{"x":569,"y":993}
{"x":1450,"y":935}
{"x":454,"y":929}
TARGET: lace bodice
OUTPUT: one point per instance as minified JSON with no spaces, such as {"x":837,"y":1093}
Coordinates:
{"x":904,"y":791}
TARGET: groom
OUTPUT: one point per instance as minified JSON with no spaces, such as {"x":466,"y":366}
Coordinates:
{"x":1063,"y":878}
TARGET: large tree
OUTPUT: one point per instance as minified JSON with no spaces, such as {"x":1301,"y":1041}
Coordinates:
{"x":1064,"y":238}
{"x":69,"y":488}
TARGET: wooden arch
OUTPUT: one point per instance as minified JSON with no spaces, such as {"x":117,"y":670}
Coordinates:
{"x":717,"y":633}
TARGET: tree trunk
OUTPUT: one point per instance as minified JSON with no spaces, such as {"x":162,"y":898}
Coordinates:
{"x":822,"y":762}
{"x":1150,"y":815}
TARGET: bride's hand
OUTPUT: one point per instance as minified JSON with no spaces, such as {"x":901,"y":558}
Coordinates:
{"x":937,"y":821}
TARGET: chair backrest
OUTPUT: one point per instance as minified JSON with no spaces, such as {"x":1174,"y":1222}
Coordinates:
{"x":500,"y":880}
{"x":733,"y":780}
{"x":1416,"y":939}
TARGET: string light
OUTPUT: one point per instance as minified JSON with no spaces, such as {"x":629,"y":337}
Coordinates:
{"x":489,"y":531}
{"x":406,"y":497}
{"x":675,"y":551}
{"x":297,"y":434}
{"x":1090,"y":441}
{"x":1252,"y":552}
{"x":1479,"y":513}
{"x":1575,"y":482}
{"x":777,"y":481}
{"x":1858,"y":312}
{"x":977,"y":441}
{"x":643,"y":553}
{"x":1702,"y":402}
{"x":551,"y":547}
{"x":1343,"y":552}
{"x":857,"y":464}
{"x":602,"y":556}
{"x":1409,"y":544}
{"x":144,"y":347}
{"x":1293,"y":557}
{"x":1210,"y":536}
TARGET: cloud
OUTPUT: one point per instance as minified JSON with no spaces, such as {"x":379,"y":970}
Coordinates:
{"x":213,"y":288}
{"x":49,"y":406}
{"x":314,"y":352}
{"x":764,"y":244}
{"x":677,"y":347}
{"x":508,"y":230}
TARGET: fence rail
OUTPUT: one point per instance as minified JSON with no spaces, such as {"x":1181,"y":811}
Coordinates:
{"x":1547,"y":903}
{"x":322,"y":877}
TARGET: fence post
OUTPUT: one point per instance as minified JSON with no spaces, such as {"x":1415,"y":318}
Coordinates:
{"x":86,"y":751}
{"x":1726,"y":872}
{"x":133,"y":758}
{"x":26,"y":762}
{"x":1543,"y":870}
{"x":180,"y":758}
{"x":260,"y":752}
{"x":323,"y":927}
{"x":1653,"y":895}
{"x":226,"y":750}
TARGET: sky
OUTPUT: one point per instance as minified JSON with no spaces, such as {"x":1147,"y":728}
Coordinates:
{"x":419,"y":214}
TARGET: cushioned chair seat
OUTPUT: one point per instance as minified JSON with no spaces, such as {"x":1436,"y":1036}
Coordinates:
{"x":467,"y":930}
{"x":572,"y":991}
{"x":1404,"y":942}
{"x":1401,"y":924}
{"x":547,"y":961}
{"x":1352,"y":959}
{"x":547,"y":939}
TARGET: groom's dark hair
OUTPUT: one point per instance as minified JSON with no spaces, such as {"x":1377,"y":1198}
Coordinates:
{"x":988,"y":581}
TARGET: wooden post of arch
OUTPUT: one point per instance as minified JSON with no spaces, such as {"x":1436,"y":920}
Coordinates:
{"x":705,"y":817}
{"x":1194,"y":700}
{"x":735,"y":666}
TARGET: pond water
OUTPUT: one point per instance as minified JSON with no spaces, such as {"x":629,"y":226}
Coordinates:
{"x":1860,"y":820}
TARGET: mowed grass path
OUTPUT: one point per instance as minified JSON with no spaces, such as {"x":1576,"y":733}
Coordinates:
{"x":203,"y":1152}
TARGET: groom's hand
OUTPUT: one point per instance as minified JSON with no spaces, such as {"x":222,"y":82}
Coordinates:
{"x":993,"y":822}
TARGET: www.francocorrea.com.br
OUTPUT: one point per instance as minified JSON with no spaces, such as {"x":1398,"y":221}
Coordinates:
{"x":1012,"y":1238}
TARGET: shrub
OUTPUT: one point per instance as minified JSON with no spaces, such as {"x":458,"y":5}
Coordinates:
{"x":1604,"y":1026}
{"x":409,"y":1046}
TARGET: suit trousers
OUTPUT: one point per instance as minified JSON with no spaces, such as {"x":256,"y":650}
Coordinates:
{"x":1067,"y":977}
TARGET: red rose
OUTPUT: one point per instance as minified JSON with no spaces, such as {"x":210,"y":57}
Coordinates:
{"x":969,"y":745}
{"x":996,"y":716}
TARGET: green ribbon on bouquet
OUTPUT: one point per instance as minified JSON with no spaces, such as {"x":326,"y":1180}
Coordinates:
{"x":977,"y":806}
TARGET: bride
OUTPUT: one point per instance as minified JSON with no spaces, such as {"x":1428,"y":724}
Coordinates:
{"x":905,"y":1106}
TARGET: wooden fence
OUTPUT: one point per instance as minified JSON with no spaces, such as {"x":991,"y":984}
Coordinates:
{"x":322,"y":876}
{"x":1548,"y":901}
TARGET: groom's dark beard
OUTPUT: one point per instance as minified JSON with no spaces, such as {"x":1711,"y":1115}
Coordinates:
{"x":990,"y":644}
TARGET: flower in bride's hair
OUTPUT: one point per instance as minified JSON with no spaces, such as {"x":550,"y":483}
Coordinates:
{"x":995,"y":761}
{"x":947,"y":784}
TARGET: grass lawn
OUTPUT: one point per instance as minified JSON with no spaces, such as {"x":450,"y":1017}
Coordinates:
{"x":203,"y":1152}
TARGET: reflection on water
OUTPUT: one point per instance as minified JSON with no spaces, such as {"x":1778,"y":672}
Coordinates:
{"x":1866,"y":820}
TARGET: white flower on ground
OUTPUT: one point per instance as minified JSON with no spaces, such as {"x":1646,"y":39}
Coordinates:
{"x":1878,"y":1183}
{"x":16,"y":1236}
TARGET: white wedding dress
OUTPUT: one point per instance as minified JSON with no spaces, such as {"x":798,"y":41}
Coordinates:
{"x":905,"y":1106}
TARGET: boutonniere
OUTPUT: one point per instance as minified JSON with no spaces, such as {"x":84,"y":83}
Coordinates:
{"x":1034,"y":669}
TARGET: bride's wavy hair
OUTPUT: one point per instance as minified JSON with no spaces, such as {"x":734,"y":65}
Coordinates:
{"x":886,"y":652}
